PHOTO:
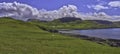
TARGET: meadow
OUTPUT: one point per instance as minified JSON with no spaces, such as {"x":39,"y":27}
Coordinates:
{"x":18,"y":37}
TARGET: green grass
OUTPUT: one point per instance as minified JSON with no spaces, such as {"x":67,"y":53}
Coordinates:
{"x":17,"y":37}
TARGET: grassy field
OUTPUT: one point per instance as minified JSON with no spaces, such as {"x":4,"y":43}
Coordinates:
{"x":17,"y":37}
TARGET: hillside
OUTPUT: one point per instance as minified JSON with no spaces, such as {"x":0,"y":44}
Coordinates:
{"x":76,"y":23}
{"x":18,"y":37}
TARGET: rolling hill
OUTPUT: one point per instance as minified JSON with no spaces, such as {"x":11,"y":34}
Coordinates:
{"x":18,"y":37}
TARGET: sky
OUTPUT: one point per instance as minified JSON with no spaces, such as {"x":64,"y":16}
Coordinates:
{"x":110,"y":7}
{"x":49,"y":10}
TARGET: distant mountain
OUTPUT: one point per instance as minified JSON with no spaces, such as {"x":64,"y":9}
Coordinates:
{"x":102,"y":21}
{"x":73,"y":19}
{"x":68,"y":19}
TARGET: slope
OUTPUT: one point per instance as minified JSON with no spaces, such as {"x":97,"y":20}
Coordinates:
{"x":18,"y":37}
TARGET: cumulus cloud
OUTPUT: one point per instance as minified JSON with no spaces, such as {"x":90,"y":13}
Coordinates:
{"x":18,"y":11}
{"x":97,"y":16}
{"x":101,"y":6}
{"x":24,"y":12}
{"x":97,"y":7}
{"x":65,"y":11}
{"x":100,"y":16}
{"x":114,"y":4}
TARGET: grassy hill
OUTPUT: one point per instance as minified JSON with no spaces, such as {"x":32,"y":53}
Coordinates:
{"x":18,"y":37}
{"x":69,"y":23}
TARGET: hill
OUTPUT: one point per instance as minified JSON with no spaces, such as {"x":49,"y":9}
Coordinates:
{"x":18,"y":37}
{"x":68,"y":19}
{"x":76,"y":23}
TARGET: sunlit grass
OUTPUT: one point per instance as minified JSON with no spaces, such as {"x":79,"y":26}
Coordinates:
{"x":17,"y":37}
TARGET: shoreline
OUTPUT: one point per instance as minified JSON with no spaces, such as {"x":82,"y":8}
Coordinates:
{"x":87,"y":29}
{"x":110,"y":42}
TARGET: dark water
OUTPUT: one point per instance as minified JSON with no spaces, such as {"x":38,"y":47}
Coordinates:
{"x":113,"y":33}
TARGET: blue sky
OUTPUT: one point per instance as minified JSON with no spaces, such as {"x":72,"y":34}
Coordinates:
{"x":81,"y":4}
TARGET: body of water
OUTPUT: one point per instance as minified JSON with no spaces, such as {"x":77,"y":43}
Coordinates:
{"x":112,"y":33}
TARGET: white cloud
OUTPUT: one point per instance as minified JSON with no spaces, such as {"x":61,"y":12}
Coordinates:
{"x":97,"y":7}
{"x":97,"y":16}
{"x":100,"y":16}
{"x":114,"y":3}
{"x":18,"y":11}
{"x":24,"y":12}
{"x":65,"y":11}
